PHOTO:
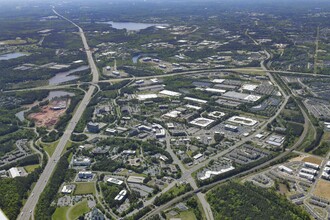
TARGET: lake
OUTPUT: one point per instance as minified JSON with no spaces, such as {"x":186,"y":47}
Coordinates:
{"x":65,"y":76}
{"x":132,"y":26}
{"x":9,"y":56}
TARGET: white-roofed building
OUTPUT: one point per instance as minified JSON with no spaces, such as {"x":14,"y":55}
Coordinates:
{"x":193,"y":107}
{"x":209,"y":173}
{"x":114,"y":181}
{"x":197,"y":156}
{"x":143,"y":97}
{"x":215,"y":90}
{"x":195,"y":100}
{"x":172,"y":114}
{"x":218,"y":81}
{"x":67,"y":189}
{"x":285,"y":169}
{"x":202,"y":122}
{"x":121,"y":195}
{"x":170,"y":93}
{"x":14,"y":172}
{"x":249,"y":87}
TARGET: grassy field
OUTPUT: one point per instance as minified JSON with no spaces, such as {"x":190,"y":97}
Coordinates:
{"x":315,"y":160}
{"x":323,"y":148}
{"x":73,"y":212}
{"x":50,"y":148}
{"x":309,"y":138}
{"x":322,"y":189}
{"x":13,"y":42}
{"x":78,"y":209}
{"x":60,"y":213}
{"x":68,"y":144}
{"x":31,"y":168}
{"x":186,"y":215}
{"x":85,"y":188}
{"x":251,"y":71}
{"x":326,"y":136}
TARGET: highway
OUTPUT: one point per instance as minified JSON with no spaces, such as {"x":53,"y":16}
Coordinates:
{"x":256,"y":70}
{"x":28,"y":209}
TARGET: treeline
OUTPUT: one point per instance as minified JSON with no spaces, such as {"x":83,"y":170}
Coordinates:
{"x":44,"y":209}
{"x":62,"y":123}
{"x":245,"y":201}
{"x":139,"y":214}
{"x":106,"y":164}
{"x":171,"y":194}
{"x":14,"y":190}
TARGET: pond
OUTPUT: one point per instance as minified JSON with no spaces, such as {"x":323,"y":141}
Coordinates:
{"x":65,"y":76}
{"x":9,"y":56}
{"x":132,"y":26}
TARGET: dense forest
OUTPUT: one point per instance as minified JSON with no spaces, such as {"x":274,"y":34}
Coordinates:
{"x":246,"y":201}
{"x":14,"y":190}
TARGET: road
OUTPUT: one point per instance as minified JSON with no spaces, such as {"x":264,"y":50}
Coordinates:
{"x":259,"y":167}
{"x":28,"y":209}
{"x":53,"y":87}
{"x":188,"y":173}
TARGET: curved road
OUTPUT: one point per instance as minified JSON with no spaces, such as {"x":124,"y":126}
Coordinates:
{"x":28,"y":209}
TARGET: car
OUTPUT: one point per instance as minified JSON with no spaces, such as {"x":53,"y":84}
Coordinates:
{"x":30,"y":211}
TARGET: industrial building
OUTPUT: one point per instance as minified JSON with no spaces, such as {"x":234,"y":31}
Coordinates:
{"x":311,"y":165}
{"x":121,"y":195}
{"x":202,"y":122}
{"x":309,"y":171}
{"x":135,"y":179}
{"x":285,"y":169}
{"x":306,"y":176}
{"x":81,"y":162}
{"x":114,"y":181}
{"x":14,"y":172}
{"x":231,"y":128}
{"x":243,"y":97}
{"x":209,"y":173}
{"x":93,"y":127}
{"x":85,"y":175}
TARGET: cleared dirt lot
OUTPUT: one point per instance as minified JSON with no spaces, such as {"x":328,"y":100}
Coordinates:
{"x":315,"y":160}
{"x":322,"y":189}
{"x":48,"y":116}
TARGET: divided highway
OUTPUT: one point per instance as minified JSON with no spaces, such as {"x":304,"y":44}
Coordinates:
{"x":28,"y":209}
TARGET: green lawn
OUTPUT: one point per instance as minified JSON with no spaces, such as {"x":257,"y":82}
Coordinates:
{"x":78,"y":209}
{"x":50,"y":148}
{"x":31,"y":168}
{"x":85,"y":188}
{"x":73,"y":212}
{"x":186,"y":215}
{"x":60,"y":213}
{"x":68,"y":144}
